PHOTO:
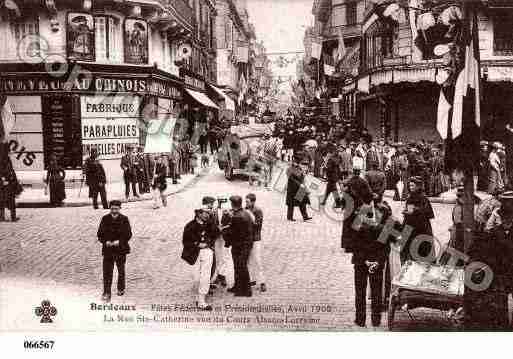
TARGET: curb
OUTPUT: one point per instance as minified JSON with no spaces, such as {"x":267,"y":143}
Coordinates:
{"x":87,"y":203}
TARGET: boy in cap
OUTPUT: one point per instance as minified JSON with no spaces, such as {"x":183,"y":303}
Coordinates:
{"x":198,"y":250}
{"x":114,"y":233}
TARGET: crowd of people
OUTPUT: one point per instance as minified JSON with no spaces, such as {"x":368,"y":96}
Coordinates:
{"x":206,"y":239}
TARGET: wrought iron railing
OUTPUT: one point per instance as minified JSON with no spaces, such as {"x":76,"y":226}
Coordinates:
{"x":183,"y":9}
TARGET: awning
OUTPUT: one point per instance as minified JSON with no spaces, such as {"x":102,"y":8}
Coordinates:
{"x":229,"y":103}
{"x":202,"y":98}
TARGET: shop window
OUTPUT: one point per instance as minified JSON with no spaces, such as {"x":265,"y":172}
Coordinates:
{"x":165,"y":52}
{"x":108,"y":38}
{"x":24,"y":28}
{"x":351,"y":13}
{"x":502,"y":35}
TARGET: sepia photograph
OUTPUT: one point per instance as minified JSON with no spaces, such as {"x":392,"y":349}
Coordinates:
{"x":256,"y":166}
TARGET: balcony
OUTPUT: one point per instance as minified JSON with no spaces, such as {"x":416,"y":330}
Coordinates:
{"x":183,"y":10}
{"x":348,"y":31}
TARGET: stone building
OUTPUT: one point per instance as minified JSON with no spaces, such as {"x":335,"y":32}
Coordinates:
{"x":77,"y":75}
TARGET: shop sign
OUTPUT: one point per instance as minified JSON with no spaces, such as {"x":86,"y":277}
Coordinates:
{"x":110,"y":124}
{"x":161,"y":88}
{"x":98,"y":84}
{"x":192,"y":81}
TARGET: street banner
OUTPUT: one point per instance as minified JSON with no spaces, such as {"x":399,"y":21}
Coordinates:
{"x":243,"y":54}
{"x":316,"y":50}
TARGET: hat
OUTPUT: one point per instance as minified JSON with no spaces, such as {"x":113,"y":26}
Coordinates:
{"x":115,"y":203}
{"x":483,"y":143}
{"x":79,"y":19}
{"x":208,"y":200}
{"x":139,"y":26}
{"x":416,"y":180}
{"x":357,"y":163}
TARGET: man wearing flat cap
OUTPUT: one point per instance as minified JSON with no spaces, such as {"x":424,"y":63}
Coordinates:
{"x":114,"y":233}
{"x":482,"y":174}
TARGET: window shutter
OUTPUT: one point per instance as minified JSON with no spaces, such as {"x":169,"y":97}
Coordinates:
{"x":100,"y":30}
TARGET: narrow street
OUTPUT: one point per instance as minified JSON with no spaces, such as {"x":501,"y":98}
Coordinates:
{"x":53,"y":253}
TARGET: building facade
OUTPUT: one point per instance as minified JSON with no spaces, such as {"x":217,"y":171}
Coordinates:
{"x":89,"y":74}
{"x":235,"y":53}
{"x":388,"y":80}
{"x":400,"y":75}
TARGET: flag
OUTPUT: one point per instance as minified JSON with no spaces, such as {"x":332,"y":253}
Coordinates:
{"x":7,"y":118}
{"x":341,"y":45}
{"x":243,"y":88}
{"x":444,"y":111}
{"x":460,"y":121}
{"x":329,"y":70}
{"x":316,"y":50}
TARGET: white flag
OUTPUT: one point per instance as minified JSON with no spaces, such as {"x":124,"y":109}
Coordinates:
{"x":316,"y":50}
{"x":341,"y":45}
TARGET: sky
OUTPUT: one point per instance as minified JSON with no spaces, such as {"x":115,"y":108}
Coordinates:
{"x":281,"y":25}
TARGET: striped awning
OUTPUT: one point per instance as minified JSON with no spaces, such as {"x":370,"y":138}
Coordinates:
{"x":202,"y":98}
{"x":229,"y":103}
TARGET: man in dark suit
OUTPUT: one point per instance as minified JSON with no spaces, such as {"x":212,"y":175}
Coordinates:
{"x":369,"y":258}
{"x":114,"y":233}
{"x":255,"y":259}
{"x":129,"y":165}
{"x":96,"y":179}
{"x":359,"y":192}
{"x":377,"y":181}
{"x":240,"y":237}
{"x":333,"y":175}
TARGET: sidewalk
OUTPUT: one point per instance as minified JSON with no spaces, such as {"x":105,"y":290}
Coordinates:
{"x":78,"y":197}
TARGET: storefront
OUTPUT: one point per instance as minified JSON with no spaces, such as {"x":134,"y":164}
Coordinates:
{"x":200,"y":107}
{"x":224,"y":102}
{"x":68,"y":117}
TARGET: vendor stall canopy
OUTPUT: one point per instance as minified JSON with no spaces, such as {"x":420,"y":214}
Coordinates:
{"x":202,"y":98}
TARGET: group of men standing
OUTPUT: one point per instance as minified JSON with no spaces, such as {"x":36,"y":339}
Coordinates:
{"x":138,"y":171}
{"x":206,"y":238}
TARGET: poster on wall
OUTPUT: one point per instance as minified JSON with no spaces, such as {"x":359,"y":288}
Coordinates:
{"x":110,"y":124}
{"x":136,"y":41}
{"x":80,"y":36}
{"x":60,"y":138}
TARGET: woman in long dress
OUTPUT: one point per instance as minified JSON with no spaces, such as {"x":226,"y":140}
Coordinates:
{"x":495,"y":180}
{"x":417,"y":216}
{"x":55,"y":180}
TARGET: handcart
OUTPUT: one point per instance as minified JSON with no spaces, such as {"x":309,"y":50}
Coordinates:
{"x":425,"y":285}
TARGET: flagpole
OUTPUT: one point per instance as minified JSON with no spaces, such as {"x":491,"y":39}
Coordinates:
{"x":469,"y":9}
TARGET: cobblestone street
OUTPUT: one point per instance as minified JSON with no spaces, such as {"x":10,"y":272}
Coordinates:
{"x":54,"y":252}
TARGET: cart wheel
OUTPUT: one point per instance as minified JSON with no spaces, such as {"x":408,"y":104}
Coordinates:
{"x":391,"y":313}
